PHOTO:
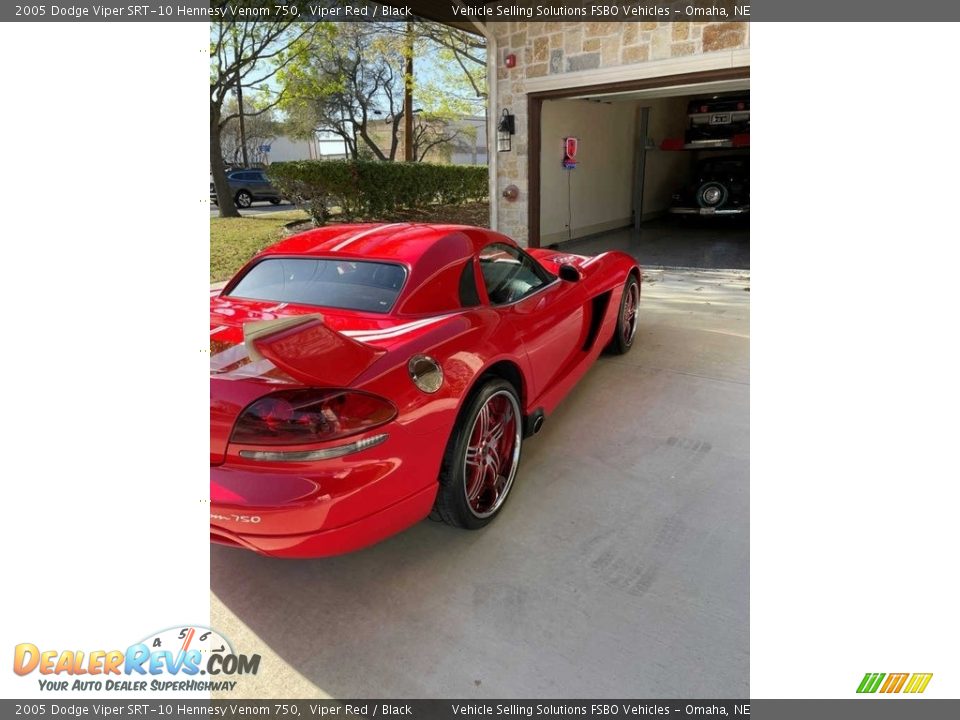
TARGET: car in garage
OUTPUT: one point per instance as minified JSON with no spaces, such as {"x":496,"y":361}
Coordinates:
{"x":718,"y":186}
{"x":717,"y":118}
{"x":366,"y":376}
{"x":247,"y":187}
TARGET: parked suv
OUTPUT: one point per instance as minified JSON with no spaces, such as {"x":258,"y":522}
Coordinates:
{"x":247,"y":186}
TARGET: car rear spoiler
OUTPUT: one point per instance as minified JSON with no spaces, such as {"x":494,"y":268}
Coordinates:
{"x":309,"y":351}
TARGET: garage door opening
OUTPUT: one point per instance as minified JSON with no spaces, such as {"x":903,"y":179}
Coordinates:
{"x":659,"y":172}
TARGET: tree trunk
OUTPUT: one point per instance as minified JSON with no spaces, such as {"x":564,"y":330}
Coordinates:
{"x":394,"y":137}
{"x":408,"y":155}
{"x":243,"y":131}
{"x":368,"y":141}
{"x":217,"y":170}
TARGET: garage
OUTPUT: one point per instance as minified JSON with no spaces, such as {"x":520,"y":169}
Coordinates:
{"x":661,"y":172}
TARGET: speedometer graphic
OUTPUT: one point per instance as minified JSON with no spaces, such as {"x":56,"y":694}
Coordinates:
{"x":181,"y":640}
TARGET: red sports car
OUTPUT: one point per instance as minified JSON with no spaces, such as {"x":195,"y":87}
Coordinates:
{"x":364,"y":376}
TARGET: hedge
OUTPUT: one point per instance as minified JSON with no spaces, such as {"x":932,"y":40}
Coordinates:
{"x":368,"y":189}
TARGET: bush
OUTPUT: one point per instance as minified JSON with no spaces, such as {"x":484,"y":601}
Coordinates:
{"x":367,"y":189}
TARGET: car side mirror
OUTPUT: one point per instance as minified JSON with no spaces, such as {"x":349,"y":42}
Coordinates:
{"x":570,"y":273}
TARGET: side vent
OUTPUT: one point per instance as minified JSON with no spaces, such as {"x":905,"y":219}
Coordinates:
{"x":598,"y":311}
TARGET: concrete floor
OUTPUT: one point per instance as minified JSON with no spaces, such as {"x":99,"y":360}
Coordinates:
{"x":618,"y":568}
{"x":675,"y":241}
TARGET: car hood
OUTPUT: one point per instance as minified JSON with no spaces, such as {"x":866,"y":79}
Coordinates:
{"x":553,"y":259}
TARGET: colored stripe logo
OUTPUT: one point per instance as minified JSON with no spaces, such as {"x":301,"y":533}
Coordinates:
{"x":894,"y":682}
{"x":918,"y":683}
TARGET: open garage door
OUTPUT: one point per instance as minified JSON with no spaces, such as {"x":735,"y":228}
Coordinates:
{"x":661,"y":172}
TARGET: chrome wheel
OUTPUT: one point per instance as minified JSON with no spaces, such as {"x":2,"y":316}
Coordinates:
{"x":482,"y":456}
{"x":492,"y":454}
{"x":628,"y":319}
{"x":711,"y":195}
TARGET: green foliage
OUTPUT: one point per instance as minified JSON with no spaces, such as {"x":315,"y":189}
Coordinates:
{"x":351,"y":82}
{"x":364,"y":189}
{"x":233,"y":241}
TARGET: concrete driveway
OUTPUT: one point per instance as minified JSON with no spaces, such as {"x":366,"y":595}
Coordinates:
{"x":619,"y":567}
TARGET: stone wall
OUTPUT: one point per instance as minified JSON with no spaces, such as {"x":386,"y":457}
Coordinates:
{"x":557,"y":48}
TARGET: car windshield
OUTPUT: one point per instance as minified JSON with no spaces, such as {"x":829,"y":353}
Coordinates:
{"x":509,"y":274}
{"x":349,"y":285}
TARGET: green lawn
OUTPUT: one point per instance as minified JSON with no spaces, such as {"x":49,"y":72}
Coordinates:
{"x":233,"y":241}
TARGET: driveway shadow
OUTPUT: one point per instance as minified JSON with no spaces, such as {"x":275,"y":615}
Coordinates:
{"x":365,"y":624}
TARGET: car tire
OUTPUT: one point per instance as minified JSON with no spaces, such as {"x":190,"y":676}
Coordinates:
{"x":274,"y":201}
{"x":628,"y":318}
{"x":482,"y":456}
{"x":712,"y":194}
{"x":243,"y":199}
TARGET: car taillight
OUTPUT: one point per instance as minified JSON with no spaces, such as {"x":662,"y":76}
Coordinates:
{"x":740,"y":106}
{"x":297,"y":417}
{"x":703,"y":108}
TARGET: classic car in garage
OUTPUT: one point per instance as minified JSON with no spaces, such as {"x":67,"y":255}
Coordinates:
{"x":717,"y":118}
{"x":719,"y":185}
{"x":366,"y":376}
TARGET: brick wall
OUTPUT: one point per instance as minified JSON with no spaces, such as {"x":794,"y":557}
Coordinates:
{"x":558,"y":48}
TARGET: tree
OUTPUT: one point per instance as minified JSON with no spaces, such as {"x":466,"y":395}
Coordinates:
{"x":432,"y":132}
{"x":464,"y":51}
{"x":352,"y":86}
{"x":347,"y":84}
{"x":259,"y":128}
{"x":457,"y":86}
{"x":247,"y":55}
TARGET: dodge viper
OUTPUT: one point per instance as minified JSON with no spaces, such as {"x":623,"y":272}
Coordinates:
{"x":364,"y":377}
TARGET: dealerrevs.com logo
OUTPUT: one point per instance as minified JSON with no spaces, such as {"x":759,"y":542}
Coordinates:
{"x":182,"y":659}
{"x":894,"y":682}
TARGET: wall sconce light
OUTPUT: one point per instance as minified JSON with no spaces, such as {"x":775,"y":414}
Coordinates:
{"x":505,"y":131}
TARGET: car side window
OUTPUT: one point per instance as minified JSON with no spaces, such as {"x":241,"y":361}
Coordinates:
{"x":469,"y":297}
{"x":509,"y":274}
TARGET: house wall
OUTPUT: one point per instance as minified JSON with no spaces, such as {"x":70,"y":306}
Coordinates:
{"x":471,"y":147}
{"x":597,"y":194}
{"x":283,"y":149}
{"x":664,"y":168}
{"x":576,"y":51}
